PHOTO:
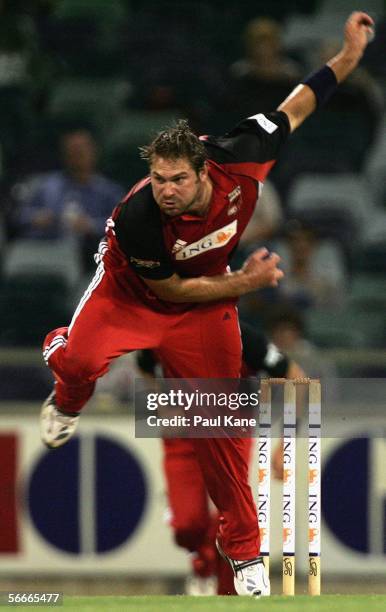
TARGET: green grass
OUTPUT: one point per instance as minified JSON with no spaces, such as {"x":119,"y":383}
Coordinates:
{"x":302,"y":603}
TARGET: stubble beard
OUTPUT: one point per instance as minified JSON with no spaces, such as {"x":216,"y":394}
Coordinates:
{"x":187,"y":208}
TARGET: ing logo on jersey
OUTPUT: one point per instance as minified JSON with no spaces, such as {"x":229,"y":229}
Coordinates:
{"x":215,"y":240}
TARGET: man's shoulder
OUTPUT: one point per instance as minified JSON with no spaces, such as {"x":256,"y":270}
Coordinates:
{"x":215,"y":150}
{"x":139,"y":206}
{"x":252,"y":146}
{"x":138,"y":230}
{"x":140,"y":198}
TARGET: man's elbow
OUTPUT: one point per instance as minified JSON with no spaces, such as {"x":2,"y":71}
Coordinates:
{"x":167,"y":292}
{"x":294,"y":118}
{"x":170,"y":296}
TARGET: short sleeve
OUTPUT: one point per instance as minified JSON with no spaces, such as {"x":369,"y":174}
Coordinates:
{"x":252,"y":147}
{"x":138,"y":231}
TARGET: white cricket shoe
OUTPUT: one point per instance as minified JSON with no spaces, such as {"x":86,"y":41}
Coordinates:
{"x":198,"y":586}
{"x":250,"y":577}
{"x":56,"y":428}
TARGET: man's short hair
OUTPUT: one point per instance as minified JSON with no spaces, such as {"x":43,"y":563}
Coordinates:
{"x":174,"y":143}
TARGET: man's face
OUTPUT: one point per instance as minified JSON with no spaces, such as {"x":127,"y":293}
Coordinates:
{"x":177,"y":188}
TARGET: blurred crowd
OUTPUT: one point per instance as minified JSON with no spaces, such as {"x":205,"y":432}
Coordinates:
{"x":83,"y":83}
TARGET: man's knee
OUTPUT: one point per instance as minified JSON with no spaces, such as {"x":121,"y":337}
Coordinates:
{"x":74,"y":367}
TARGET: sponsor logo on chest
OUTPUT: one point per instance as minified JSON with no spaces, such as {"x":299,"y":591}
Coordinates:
{"x":215,"y":240}
{"x":144,"y":263}
{"x":233,"y":205}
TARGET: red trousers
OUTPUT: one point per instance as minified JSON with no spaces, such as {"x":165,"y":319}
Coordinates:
{"x":203,"y":342}
{"x":194,"y":524}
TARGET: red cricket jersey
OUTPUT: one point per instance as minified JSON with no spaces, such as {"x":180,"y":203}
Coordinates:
{"x":146,"y":243}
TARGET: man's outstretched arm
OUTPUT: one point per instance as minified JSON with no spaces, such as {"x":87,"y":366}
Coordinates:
{"x":260,"y":270}
{"x":305,"y":98}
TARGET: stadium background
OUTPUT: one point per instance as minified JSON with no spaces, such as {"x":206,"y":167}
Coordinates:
{"x":124,"y":69}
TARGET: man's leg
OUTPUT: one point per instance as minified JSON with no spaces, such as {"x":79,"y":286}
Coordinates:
{"x":194,"y":525}
{"x":106,"y":324}
{"x":187,"y":495}
{"x":189,"y":504}
{"x":206,"y":344}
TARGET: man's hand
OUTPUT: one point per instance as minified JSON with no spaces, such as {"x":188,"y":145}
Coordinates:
{"x":358,"y":32}
{"x":261,"y":269}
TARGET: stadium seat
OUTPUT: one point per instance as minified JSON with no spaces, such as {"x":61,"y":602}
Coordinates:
{"x":31,"y":305}
{"x":304,"y":32}
{"x":374,"y":230}
{"x":38,"y":289}
{"x":16,"y":120}
{"x":99,"y":101}
{"x":32,"y":258}
{"x":333,"y":142}
{"x":371,"y":258}
{"x":375,"y":166}
{"x":368,"y":293}
{"x":349,"y":328}
{"x":2,"y":238}
{"x":342,"y":192}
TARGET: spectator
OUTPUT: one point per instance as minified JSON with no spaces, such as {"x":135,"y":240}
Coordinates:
{"x":265,"y":74}
{"x":286,"y":329}
{"x":265,"y":221}
{"x":72,"y":202}
{"x":263,"y":226}
{"x":315,"y":274}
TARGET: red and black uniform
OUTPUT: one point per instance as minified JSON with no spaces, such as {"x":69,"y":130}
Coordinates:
{"x":119,"y":313}
{"x":194,"y":525}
